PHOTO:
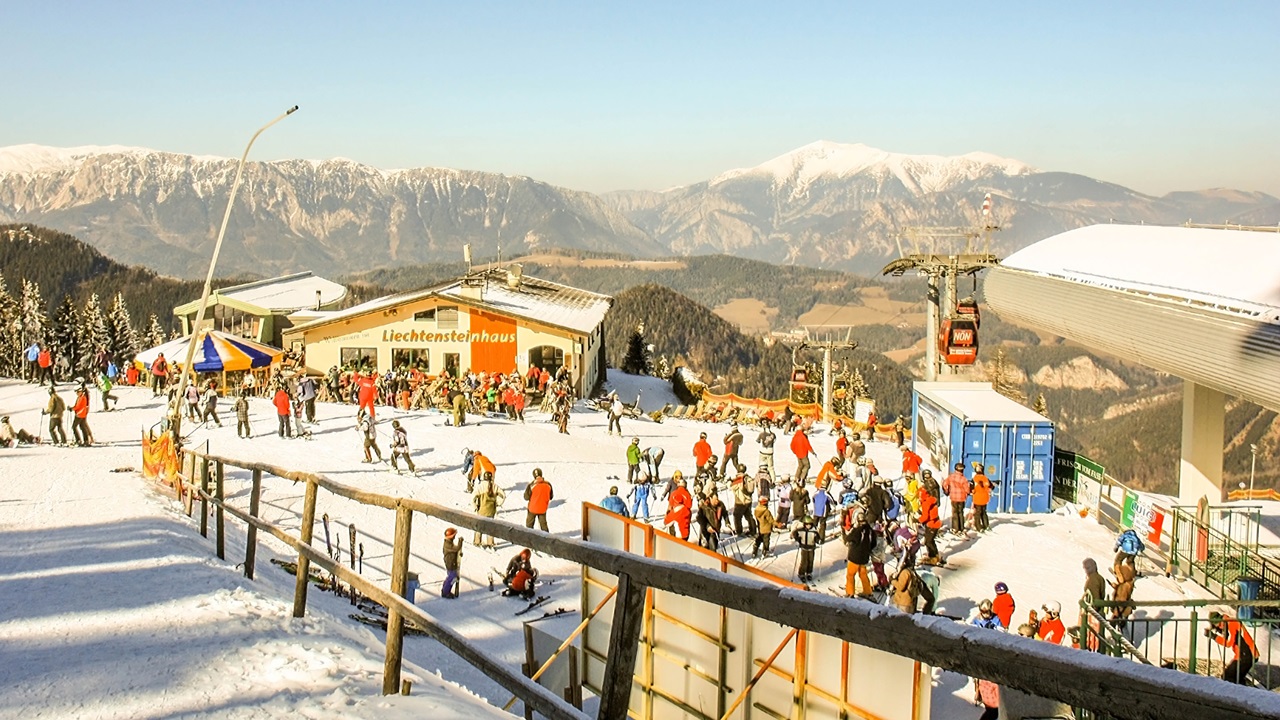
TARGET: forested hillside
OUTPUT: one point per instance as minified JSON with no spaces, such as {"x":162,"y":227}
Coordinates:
{"x":689,"y":334}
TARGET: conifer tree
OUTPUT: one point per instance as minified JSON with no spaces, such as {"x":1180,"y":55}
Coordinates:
{"x":1002,"y":374}
{"x":32,"y":313}
{"x":155,"y":334}
{"x":63,"y":333}
{"x":10,"y":340}
{"x":637,"y":359}
{"x":1040,"y":405}
{"x":94,"y":335}
{"x":125,"y":337}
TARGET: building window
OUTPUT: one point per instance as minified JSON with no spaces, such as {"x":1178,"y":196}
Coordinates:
{"x":411,"y":357}
{"x":425,"y":316}
{"x":359,"y":358}
{"x":547,"y":357}
{"x":447,"y":317}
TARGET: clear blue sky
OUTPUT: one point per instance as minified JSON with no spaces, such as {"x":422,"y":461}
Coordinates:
{"x":603,"y":96}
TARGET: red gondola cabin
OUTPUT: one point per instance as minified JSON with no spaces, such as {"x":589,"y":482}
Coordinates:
{"x":958,"y":341}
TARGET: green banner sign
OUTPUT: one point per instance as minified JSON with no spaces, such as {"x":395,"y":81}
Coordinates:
{"x":1068,"y":468}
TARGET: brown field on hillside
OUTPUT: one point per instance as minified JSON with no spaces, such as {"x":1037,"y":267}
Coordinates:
{"x":876,"y":308}
{"x":750,"y":315}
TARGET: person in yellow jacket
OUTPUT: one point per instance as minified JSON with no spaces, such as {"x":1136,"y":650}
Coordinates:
{"x":912,"y":495}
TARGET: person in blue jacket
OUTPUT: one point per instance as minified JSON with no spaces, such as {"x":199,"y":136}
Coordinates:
{"x":615,"y":504}
{"x":987,"y":617}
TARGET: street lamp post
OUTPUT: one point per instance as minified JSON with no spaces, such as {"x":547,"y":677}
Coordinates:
{"x":175,"y":419}
{"x":1253,"y":465}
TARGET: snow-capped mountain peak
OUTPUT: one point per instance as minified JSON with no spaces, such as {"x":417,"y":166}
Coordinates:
{"x":920,"y":173}
{"x":29,"y":159}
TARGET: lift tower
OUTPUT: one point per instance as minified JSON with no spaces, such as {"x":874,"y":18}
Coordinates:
{"x":942,"y":254}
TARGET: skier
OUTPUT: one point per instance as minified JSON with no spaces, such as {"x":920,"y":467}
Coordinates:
{"x":910,"y":462}
{"x":1051,"y":627}
{"x":766,"y":439}
{"x":368,"y":391}
{"x":539,"y":495}
{"x":732,"y":443}
{"x":1230,"y":634}
{"x":55,"y":409}
{"x":459,"y":402}
{"x":45,"y":363}
{"x":32,"y":367}
{"x":369,"y":433}
{"x":488,"y":497}
{"x":639,"y":496}
{"x":193,"y":402}
{"x":520,"y":576}
{"x":743,"y":491}
{"x":615,"y":415}
{"x":679,"y":508}
{"x":784,"y":501}
{"x":929,"y":518}
{"x":701,"y":453}
{"x":800,"y":501}
{"x":981,"y":498}
{"x":956,"y":486}
{"x":1122,"y":591}
{"x":710,"y":522}
{"x":1095,"y":586}
{"x":242,"y":416}
{"x":1003,"y":605}
{"x":80,"y":424}
{"x":899,"y":431}
{"x":159,"y":374}
{"x":986,"y":617}
{"x":764,"y":529}
{"x":615,"y":504}
{"x":283,"y":411}
{"x":908,"y":587}
{"x":652,"y":458}
{"x":307,"y":393}
{"x":801,"y":448}
{"x":452,"y":556}
{"x":10,"y":437}
{"x":480,"y":466}
{"x":400,"y":446}
{"x":859,"y":538}
{"x":561,"y":415}
{"x":823,"y":504}
{"x":211,"y":404}
{"x":807,"y":538}
{"x":633,"y":460}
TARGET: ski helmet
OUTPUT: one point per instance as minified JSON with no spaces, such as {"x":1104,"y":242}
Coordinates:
{"x":1053,"y":607}
{"x":1001,"y":588}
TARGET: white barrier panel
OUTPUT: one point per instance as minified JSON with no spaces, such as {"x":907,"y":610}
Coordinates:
{"x":696,"y":659}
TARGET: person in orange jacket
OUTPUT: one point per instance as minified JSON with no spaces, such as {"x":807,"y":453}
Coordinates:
{"x":702,"y":451}
{"x":1229,"y":633}
{"x":1003,"y":604}
{"x":80,"y":425}
{"x":284,"y":410}
{"x":910,"y":462}
{"x":830,"y":476}
{"x":981,"y":498}
{"x":930,"y":520}
{"x":679,"y":508}
{"x":539,"y":494}
{"x":802,"y":449}
{"x":368,"y":385}
{"x":479,"y":466}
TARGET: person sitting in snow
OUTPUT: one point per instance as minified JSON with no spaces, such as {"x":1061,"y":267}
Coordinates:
{"x":520,"y":576}
{"x":9,"y":437}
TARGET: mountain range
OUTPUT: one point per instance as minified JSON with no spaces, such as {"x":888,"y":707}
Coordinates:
{"x":842,"y":206}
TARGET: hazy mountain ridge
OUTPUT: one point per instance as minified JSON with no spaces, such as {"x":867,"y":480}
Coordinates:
{"x":824,"y":205}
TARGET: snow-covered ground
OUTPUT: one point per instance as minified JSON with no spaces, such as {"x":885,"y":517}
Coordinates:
{"x":112,"y":605}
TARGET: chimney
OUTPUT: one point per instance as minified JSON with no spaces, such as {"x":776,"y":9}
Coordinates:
{"x":472,"y":288}
{"x":317,"y":300}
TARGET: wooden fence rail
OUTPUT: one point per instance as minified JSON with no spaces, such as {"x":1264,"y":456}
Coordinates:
{"x":1112,"y":686}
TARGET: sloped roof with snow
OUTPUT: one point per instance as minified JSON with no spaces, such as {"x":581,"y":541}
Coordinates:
{"x":977,"y":402}
{"x":285,"y":294}
{"x":1232,"y":269}
{"x":541,"y":301}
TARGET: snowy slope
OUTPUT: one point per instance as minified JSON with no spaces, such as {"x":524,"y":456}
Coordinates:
{"x":71,"y":520}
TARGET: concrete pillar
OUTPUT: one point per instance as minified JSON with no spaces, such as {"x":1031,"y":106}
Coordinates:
{"x":931,"y":330}
{"x":1200,"y":472}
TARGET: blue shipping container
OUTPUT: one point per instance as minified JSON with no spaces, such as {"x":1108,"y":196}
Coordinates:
{"x":962,"y":422}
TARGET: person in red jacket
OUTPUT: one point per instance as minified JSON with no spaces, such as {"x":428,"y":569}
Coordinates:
{"x":45,"y":361}
{"x":284,"y":410}
{"x":80,"y":425}
{"x":956,"y":486}
{"x":159,"y":374}
{"x":801,"y":448}
{"x":1003,"y":605}
{"x":702,"y":451}
{"x":981,"y":498}
{"x":539,"y":494}
{"x":368,"y":385}
{"x":1230,"y":634}
{"x":679,"y":508}
{"x":910,"y":462}
{"x":1051,"y":627}
{"x":930,"y":520}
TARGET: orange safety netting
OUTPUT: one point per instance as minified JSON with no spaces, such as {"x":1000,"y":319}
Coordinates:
{"x":1264,"y":494}
{"x":761,"y":408}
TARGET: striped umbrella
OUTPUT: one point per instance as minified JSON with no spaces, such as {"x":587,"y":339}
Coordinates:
{"x":217,"y":351}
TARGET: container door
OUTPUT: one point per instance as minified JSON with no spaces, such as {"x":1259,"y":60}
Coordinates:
{"x":1020,"y":461}
{"x":1041,"y":467}
{"x":985,"y":443}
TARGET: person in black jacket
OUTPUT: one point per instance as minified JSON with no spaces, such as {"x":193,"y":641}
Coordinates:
{"x":859,"y":539}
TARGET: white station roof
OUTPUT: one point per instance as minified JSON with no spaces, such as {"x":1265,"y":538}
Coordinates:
{"x":977,"y":402}
{"x":287,"y":293}
{"x":1230,"y":269}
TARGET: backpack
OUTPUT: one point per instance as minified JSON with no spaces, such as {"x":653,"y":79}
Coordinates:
{"x":1130,"y":543}
{"x":895,"y":507}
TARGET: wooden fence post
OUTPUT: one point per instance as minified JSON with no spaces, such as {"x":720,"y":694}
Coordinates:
{"x":204,"y":501}
{"x":624,"y":639}
{"x":304,"y":562}
{"x":251,"y":545}
{"x":399,"y":581}
{"x":222,"y":515}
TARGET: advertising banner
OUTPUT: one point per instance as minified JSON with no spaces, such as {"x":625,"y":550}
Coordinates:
{"x":1143,"y":517}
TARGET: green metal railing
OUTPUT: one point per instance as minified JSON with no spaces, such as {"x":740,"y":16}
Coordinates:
{"x":1173,"y":634}
{"x":1217,"y":561}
